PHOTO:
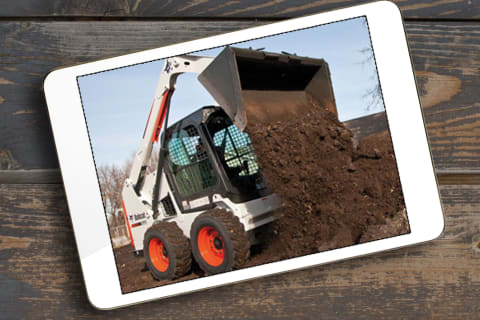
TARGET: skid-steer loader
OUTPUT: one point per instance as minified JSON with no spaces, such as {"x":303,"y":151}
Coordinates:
{"x":207,"y":196}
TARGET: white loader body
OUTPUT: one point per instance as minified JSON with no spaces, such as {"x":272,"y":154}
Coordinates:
{"x":252,"y":214}
{"x":138,"y":201}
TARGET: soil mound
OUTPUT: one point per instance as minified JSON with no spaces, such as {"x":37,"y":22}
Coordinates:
{"x":333,"y":193}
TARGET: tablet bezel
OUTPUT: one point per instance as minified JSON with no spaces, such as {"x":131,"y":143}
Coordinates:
{"x":404,"y":119}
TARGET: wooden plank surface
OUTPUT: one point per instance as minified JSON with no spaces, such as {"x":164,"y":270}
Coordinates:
{"x":40,"y":275}
{"x":467,"y":177}
{"x":445,"y":57}
{"x":417,"y":9}
{"x":30,"y":176}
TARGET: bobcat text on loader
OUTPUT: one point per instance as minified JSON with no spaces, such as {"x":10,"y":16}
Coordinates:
{"x":207,"y":196}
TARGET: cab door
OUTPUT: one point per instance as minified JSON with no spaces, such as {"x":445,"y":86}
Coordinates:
{"x":190,"y":171}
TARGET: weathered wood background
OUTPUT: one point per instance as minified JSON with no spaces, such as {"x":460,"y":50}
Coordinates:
{"x":39,"y":272}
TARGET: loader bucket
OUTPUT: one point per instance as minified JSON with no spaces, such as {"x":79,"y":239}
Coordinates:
{"x":256,"y":84}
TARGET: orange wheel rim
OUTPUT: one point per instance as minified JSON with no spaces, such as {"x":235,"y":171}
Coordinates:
{"x":211,"y":247}
{"x":158,"y":254}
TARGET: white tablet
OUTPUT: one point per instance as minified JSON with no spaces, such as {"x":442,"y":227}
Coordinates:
{"x":243,"y":155}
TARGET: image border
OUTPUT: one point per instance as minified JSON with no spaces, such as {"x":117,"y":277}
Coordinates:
{"x":166,"y":126}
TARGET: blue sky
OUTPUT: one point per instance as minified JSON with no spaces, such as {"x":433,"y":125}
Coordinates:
{"x":117,"y":102}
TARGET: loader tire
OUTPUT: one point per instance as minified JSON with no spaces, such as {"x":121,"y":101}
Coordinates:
{"x":219,"y":241}
{"x":167,"y":251}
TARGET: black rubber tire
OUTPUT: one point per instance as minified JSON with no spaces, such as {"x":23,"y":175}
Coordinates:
{"x":236,"y":242}
{"x":177,"y":247}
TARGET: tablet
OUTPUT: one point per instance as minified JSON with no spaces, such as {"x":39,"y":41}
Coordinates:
{"x":243,"y":155}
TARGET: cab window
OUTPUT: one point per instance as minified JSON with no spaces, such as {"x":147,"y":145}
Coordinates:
{"x":189,"y":162}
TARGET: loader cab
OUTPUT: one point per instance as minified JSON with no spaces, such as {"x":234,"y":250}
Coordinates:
{"x":207,"y":154}
{"x":235,"y":156}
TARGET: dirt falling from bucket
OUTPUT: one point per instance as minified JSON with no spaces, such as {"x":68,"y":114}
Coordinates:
{"x":334,"y":195}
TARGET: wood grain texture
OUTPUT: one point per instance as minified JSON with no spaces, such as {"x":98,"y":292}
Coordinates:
{"x":40,"y":276}
{"x":445,"y":57}
{"x":30,"y":176}
{"x":449,"y":92}
{"x":459,"y":177}
{"x":418,"y":9}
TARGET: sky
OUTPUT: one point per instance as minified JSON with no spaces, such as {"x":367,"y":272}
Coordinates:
{"x":117,"y":102}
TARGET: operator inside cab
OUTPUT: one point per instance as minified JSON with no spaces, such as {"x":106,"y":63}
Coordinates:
{"x":235,"y":153}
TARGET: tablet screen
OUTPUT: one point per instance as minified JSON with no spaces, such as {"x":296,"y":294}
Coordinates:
{"x":276,"y":148}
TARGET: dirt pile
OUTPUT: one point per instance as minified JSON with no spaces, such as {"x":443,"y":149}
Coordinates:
{"x":334,"y":194}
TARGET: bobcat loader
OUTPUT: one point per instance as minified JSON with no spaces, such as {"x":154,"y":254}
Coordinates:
{"x":207,"y":196}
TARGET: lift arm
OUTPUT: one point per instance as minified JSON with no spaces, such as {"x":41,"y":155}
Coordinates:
{"x":158,"y":117}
